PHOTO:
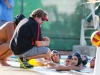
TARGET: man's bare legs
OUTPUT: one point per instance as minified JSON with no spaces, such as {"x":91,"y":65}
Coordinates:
{"x":4,"y":53}
{"x":4,"y":63}
{"x":4,"y":57}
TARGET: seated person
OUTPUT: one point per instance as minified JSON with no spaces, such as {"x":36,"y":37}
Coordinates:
{"x":92,"y":62}
{"x":68,"y":60}
{"x":76,"y":64}
{"x":84,"y":60}
{"x":6,"y":33}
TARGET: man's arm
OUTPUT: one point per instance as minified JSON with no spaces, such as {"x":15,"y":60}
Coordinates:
{"x":50,"y":64}
{"x":66,"y":68}
{"x":45,"y":42}
{"x":9,"y":5}
{"x":42,"y":43}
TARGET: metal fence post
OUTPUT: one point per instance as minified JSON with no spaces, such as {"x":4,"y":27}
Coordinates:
{"x":22,"y":6}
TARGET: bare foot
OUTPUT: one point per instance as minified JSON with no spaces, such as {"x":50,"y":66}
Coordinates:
{"x":4,"y":63}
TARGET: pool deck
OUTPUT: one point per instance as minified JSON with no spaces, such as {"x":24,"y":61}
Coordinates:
{"x":15,"y":70}
{"x":18,"y":71}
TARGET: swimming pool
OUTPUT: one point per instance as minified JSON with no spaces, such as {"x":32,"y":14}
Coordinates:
{"x":63,"y":57}
{"x":62,"y":61}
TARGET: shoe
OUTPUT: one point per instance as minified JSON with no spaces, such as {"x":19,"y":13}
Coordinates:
{"x":28,"y":67}
{"x":24,"y":63}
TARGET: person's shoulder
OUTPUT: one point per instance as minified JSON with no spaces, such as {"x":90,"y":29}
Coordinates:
{"x":27,"y":21}
{"x":7,"y":24}
{"x":10,"y":24}
{"x":32,"y":21}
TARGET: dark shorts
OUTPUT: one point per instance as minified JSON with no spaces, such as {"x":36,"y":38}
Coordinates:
{"x":35,"y":51}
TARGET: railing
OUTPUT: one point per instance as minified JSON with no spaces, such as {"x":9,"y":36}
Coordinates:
{"x":95,"y":23}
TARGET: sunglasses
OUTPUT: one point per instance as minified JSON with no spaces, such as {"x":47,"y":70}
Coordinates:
{"x":44,"y":19}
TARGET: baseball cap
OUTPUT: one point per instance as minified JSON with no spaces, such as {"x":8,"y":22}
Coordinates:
{"x":44,"y":18}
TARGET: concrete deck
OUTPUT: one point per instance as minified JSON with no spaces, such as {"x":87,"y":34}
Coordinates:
{"x":15,"y":70}
{"x":18,"y":71}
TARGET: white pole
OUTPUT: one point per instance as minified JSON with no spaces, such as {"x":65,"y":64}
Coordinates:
{"x":97,"y":62}
{"x":82,"y":37}
{"x":22,"y":6}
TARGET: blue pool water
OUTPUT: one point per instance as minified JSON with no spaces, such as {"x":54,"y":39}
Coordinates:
{"x":86,"y":70}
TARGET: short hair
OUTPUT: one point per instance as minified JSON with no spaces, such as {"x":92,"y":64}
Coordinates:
{"x":38,"y":13}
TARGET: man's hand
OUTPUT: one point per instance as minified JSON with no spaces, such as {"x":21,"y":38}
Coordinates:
{"x":46,"y":39}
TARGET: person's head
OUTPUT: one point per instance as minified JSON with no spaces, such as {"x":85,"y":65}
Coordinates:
{"x":68,"y":60}
{"x":92,"y":62}
{"x":55,"y":56}
{"x":76,"y":59}
{"x":39,"y":16}
{"x":18,"y":18}
{"x":84,"y":59}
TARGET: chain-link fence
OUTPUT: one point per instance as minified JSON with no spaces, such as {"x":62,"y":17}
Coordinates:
{"x":64,"y":23}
